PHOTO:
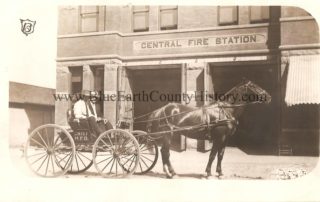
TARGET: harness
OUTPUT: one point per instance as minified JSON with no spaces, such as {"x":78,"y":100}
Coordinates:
{"x":206,"y":124}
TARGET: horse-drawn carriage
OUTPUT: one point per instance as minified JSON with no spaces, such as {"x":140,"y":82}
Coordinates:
{"x":52,"y":150}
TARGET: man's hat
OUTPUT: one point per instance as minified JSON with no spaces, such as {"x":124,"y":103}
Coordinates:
{"x":86,"y":93}
{"x":89,"y":93}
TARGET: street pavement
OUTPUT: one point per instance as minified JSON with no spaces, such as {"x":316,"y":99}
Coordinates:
{"x":191,"y":164}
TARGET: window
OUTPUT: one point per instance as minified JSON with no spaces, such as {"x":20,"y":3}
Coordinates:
{"x":228,"y":15}
{"x":89,"y":18}
{"x":168,"y":17}
{"x":140,"y":18}
{"x":76,"y":79}
{"x":259,"y":14}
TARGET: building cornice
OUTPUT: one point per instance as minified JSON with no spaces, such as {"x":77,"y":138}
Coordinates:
{"x":231,"y":27}
{"x":298,"y":18}
{"x":231,"y":56}
{"x":163,"y":56}
{"x":300,"y":46}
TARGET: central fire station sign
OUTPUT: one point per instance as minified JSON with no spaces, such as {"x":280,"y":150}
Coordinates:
{"x":195,"y":42}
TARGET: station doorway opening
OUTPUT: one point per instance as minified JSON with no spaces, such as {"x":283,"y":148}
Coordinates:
{"x":257,"y":132}
{"x":155,"y":82}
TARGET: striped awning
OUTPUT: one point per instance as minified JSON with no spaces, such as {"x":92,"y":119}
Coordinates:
{"x":303,"y":82}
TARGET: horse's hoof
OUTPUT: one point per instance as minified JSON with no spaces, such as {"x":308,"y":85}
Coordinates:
{"x":210,"y":177}
{"x":219,"y":173}
{"x":175,"y":176}
{"x":221,"y":177}
{"x":166,"y":171}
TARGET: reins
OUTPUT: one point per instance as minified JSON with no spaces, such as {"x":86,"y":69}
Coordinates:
{"x":174,"y":115}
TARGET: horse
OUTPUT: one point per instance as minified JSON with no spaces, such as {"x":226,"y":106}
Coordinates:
{"x":216,"y":122}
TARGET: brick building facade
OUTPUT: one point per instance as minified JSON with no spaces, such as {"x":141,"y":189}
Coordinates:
{"x":183,"y":49}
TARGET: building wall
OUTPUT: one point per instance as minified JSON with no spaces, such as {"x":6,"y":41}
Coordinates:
{"x":24,"y":118}
{"x":299,"y":124}
{"x":288,"y":30}
{"x":29,"y":107}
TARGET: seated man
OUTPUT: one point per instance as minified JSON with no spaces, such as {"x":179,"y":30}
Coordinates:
{"x":85,"y":109}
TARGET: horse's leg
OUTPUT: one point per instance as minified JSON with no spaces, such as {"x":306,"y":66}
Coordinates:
{"x":165,"y":154}
{"x":220,"y":157}
{"x":212,"y":155}
{"x":221,"y":149}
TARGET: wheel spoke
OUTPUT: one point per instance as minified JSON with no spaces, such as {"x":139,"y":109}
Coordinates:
{"x":117,"y":167}
{"x":112,"y":165}
{"x":127,"y":142}
{"x":69,"y":154}
{"x":55,"y":141}
{"x":38,"y":143}
{"x":52,"y":164}
{"x":58,"y":160}
{"x":147,"y":148}
{"x":147,"y":154}
{"x":131,"y":163}
{"x":127,"y":148}
{"x":106,"y":150}
{"x":109,"y":140}
{"x":38,"y":159}
{"x":115,"y":140}
{"x":47,"y":165}
{"x":81,"y":160}
{"x":121,"y":166}
{"x":42,"y":163}
{"x":126,"y":157}
{"x":42,"y":139}
{"x":142,"y":146}
{"x":124,"y":150}
{"x":106,"y":145}
{"x":49,"y":144}
{"x":67,"y":161}
{"x":61,"y":142}
{"x":107,"y":165}
{"x":64,"y":157}
{"x":84,"y":156}
{"x":36,"y":154}
{"x":146,"y":158}
{"x":144,"y":162}
{"x":140,"y":167}
{"x":49,"y":151}
{"x":77,"y":162}
{"x":104,"y":160}
{"x":128,"y":160}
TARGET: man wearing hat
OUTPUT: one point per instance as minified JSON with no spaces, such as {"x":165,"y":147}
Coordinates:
{"x":85,"y":109}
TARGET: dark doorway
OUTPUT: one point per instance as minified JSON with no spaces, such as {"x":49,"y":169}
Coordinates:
{"x":257,"y":131}
{"x":158,"y":81}
{"x":164,"y":81}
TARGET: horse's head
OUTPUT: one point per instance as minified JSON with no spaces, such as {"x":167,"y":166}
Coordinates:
{"x":248,"y":92}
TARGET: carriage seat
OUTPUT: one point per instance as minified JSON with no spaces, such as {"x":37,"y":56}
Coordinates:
{"x":77,"y":124}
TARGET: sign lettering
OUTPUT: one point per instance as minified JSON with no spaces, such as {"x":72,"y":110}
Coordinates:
{"x":195,"y":42}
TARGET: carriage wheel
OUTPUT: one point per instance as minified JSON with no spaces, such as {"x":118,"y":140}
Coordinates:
{"x":148,"y":152}
{"x":49,"y":150}
{"x":82,"y":160}
{"x":116,"y":153}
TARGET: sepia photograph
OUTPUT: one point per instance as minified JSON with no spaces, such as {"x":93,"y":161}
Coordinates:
{"x":176,"y":93}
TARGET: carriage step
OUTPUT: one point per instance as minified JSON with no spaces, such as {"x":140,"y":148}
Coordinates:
{"x":285,"y":150}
